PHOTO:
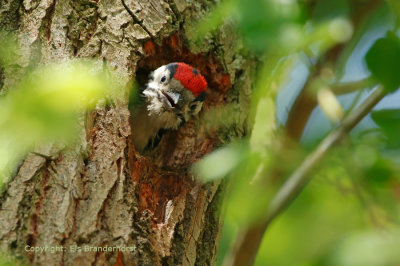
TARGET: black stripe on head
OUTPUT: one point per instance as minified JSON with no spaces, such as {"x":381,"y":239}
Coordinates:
{"x":172,"y":69}
{"x":151,"y":76}
{"x":201,"y":97}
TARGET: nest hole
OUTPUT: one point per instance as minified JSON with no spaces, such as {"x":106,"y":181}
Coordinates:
{"x":170,"y":180}
{"x":173,"y":49}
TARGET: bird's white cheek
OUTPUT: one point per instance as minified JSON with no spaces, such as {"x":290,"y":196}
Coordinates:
{"x":152,"y":90}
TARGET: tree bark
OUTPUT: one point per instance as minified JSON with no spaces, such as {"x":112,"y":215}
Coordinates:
{"x":100,"y":192}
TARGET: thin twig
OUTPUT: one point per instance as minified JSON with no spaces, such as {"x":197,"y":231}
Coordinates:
{"x":354,"y":103}
{"x":251,"y":239}
{"x":297,"y":180}
{"x":352,"y":86}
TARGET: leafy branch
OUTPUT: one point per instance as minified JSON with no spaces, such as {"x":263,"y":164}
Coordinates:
{"x":247,"y":246}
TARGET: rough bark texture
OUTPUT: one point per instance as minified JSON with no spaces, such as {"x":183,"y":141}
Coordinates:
{"x":100,"y":191}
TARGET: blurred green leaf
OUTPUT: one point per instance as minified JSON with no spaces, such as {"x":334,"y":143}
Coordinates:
{"x":261,"y":22}
{"x":45,"y":106}
{"x":328,"y":9}
{"x":250,"y":189}
{"x":311,"y":227}
{"x":220,"y":162}
{"x":219,"y":13}
{"x":394,"y":6}
{"x":264,"y":125}
{"x":373,"y":248}
{"x":8,"y":260}
{"x":383,"y":60}
{"x":379,"y":174}
{"x":7,"y":48}
{"x":389,"y":122}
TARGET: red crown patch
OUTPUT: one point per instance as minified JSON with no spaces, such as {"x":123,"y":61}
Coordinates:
{"x":190,"y":78}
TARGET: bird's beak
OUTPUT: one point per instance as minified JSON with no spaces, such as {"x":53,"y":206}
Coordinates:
{"x":172,"y":98}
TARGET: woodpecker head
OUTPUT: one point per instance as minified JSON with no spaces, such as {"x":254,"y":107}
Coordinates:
{"x":174,"y":93}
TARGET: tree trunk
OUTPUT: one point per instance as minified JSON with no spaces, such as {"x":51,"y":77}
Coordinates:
{"x":100,"y":192}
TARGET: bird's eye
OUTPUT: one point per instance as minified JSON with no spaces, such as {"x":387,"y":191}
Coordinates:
{"x":193,"y":106}
{"x":163,"y":79}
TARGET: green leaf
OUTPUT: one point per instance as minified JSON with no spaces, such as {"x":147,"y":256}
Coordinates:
{"x":48,"y":103}
{"x":261,"y":22}
{"x":220,"y":162}
{"x":379,"y":175}
{"x":394,"y":6}
{"x":327,"y":9}
{"x":368,"y":248}
{"x":383,"y":60}
{"x":389,"y":122}
{"x":8,"y":53}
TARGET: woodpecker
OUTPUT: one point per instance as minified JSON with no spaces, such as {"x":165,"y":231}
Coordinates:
{"x":173,"y":94}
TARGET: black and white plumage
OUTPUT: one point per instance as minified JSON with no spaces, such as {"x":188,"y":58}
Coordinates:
{"x":173,"y":94}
